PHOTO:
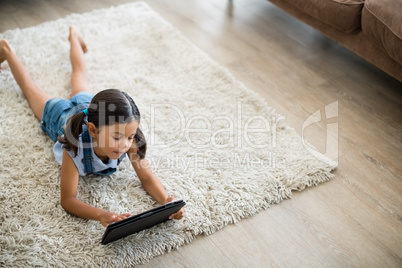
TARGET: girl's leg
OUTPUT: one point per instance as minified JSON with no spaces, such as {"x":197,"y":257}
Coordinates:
{"x":79,"y":81}
{"x":35,"y":96}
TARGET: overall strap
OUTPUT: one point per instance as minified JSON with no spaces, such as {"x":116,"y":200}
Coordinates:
{"x":87,"y":159}
{"x":121,"y":158}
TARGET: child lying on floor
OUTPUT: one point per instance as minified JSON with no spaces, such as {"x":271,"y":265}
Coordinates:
{"x":92,"y":133}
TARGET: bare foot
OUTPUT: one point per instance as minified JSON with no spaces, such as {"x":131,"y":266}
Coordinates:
{"x":4,"y":50}
{"x":75,"y":34}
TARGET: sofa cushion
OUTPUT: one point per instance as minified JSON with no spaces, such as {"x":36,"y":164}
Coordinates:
{"x":382,"y":23}
{"x":344,"y":15}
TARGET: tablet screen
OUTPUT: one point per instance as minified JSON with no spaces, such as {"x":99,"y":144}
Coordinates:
{"x":141,"y":221}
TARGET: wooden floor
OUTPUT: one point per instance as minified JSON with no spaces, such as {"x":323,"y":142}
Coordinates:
{"x":353,"y":220}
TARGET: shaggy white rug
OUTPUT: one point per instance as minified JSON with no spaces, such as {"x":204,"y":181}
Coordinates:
{"x":212,"y":142}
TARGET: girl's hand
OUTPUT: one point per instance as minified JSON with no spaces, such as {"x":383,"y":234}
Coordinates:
{"x":109,"y":217}
{"x":179,"y":214}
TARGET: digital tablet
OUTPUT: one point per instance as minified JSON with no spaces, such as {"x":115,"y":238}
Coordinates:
{"x":139,"y":222}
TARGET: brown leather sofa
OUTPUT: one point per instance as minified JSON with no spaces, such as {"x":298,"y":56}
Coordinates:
{"x":370,"y":28}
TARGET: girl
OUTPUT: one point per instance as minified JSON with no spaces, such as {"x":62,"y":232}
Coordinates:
{"x":98,"y":134}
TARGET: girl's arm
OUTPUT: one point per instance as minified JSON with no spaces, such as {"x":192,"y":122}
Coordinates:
{"x":68,"y":187}
{"x":150,"y":181}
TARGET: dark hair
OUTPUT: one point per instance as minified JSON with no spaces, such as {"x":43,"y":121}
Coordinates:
{"x":108,"y":107}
